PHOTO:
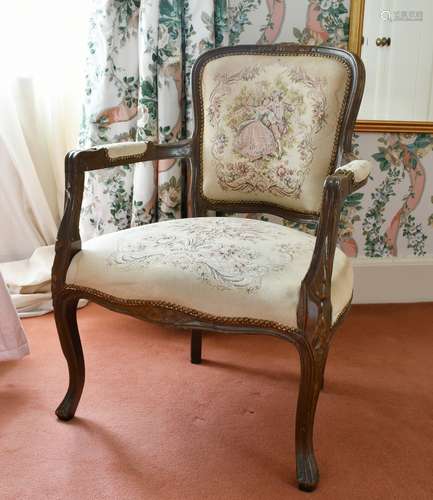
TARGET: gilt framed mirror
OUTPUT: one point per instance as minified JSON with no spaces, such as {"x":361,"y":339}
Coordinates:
{"x":394,"y":38}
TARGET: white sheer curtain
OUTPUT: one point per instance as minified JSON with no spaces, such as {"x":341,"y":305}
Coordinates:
{"x":42,"y":49}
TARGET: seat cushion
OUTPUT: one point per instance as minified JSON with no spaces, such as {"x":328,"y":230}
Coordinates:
{"x":225,"y":267}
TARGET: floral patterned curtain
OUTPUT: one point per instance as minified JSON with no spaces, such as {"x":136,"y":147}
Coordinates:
{"x":138,"y":88}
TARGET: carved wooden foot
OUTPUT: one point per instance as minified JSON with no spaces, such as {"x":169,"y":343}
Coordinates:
{"x":196,"y":338}
{"x":310,"y":385}
{"x":65,"y":309}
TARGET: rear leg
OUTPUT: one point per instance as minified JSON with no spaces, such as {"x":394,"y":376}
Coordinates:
{"x":196,"y":341}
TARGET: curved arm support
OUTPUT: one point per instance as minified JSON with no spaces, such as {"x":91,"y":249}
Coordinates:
{"x":314,"y":314}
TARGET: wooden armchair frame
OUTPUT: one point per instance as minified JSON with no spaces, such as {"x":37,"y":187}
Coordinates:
{"x":314,"y":331}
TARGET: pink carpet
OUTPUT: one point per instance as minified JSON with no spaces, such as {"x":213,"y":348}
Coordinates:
{"x":152,"y":426}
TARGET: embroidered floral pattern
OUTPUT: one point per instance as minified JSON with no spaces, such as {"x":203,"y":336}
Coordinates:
{"x":269,"y":126}
{"x":226,"y":254}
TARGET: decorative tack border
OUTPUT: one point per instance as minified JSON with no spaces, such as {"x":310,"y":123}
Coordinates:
{"x":198,"y":315}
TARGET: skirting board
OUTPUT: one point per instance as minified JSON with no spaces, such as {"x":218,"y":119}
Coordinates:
{"x":393,"y":280}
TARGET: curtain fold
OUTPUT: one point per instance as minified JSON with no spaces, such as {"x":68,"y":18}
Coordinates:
{"x":138,"y":88}
{"x":40,"y":101}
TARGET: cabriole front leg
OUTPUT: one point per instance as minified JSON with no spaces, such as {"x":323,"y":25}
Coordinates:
{"x":312,"y":367}
{"x":65,"y":312}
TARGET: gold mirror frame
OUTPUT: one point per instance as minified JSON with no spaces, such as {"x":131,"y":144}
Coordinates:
{"x":356,"y":25}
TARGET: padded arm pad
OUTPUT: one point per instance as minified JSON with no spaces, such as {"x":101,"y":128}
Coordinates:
{"x":123,"y":149}
{"x":359,"y":168}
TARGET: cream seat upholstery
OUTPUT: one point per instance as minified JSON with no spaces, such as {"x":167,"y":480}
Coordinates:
{"x":226,"y":267}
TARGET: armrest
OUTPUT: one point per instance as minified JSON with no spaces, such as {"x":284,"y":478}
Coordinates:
{"x":360,"y":169}
{"x":76,"y":164}
{"x":112,"y":155}
{"x":314,"y":313}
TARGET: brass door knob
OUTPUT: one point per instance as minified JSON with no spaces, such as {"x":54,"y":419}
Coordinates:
{"x":383,"y":41}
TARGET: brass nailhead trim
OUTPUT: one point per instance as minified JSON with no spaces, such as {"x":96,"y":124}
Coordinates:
{"x":224,"y":320}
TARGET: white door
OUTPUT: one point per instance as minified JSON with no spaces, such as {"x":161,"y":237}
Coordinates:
{"x":399,"y":84}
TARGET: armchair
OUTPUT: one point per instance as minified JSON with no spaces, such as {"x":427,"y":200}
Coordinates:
{"x":273,"y":132}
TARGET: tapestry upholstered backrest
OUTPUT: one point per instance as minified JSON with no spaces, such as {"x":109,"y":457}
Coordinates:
{"x":272,"y":122}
